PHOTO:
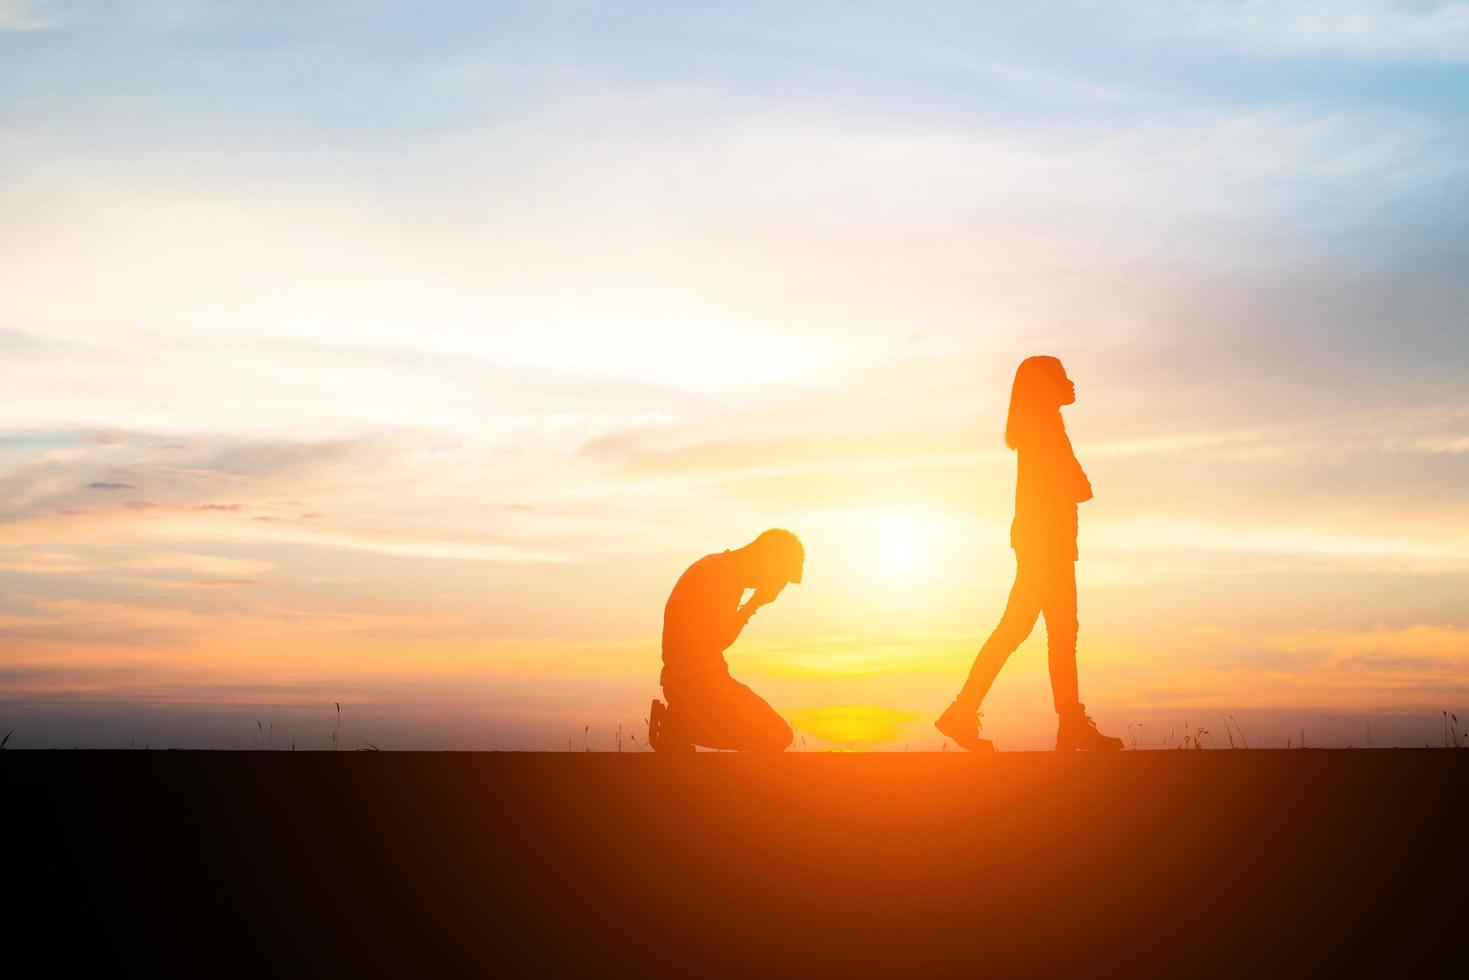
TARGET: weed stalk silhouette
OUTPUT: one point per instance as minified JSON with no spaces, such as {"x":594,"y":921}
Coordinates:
{"x":335,"y":735}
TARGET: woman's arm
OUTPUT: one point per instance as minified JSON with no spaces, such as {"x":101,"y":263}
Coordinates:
{"x":1078,"y":484}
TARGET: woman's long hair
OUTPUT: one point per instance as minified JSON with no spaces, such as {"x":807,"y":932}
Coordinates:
{"x":1032,"y":397}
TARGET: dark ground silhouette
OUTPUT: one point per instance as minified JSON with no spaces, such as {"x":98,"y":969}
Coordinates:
{"x":1183,"y":864}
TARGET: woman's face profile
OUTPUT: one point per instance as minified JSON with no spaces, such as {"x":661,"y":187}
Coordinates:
{"x":1065,"y":388}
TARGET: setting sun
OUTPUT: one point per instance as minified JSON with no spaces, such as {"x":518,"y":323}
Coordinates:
{"x":899,"y":546}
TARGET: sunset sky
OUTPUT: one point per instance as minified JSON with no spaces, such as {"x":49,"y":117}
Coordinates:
{"x":403,"y":356}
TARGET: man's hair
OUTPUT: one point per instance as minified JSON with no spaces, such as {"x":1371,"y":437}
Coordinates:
{"x":784,"y":548}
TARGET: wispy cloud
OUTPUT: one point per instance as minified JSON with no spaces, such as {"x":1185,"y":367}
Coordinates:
{"x":32,"y":15}
{"x":192,"y":564}
{"x":1406,"y":29}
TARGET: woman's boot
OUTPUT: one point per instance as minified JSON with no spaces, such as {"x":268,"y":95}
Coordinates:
{"x":1077,"y":731}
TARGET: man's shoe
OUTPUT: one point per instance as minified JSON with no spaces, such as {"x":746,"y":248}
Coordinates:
{"x":658,"y":735}
{"x":962,"y":725}
{"x":1077,"y":732}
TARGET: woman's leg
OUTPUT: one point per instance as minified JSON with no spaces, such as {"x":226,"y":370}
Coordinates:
{"x":1059,"y":604}
{"x":1015,"y":625}
{"x":1075,"y":729}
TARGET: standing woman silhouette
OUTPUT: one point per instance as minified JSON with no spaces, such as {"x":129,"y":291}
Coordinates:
{"x":1049,"y":484}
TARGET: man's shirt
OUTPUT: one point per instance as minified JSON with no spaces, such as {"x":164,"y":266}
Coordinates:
{"x":702,"y":617}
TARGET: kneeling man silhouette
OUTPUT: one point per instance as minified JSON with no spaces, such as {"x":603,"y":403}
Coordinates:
{"x":703,"y":617}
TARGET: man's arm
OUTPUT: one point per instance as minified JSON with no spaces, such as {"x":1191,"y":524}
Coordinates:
{"x":762,"y":597}
{"x":730,"y":629}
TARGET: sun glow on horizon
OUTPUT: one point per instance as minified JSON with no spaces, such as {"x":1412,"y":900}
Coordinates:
{"x":852,"y":724}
